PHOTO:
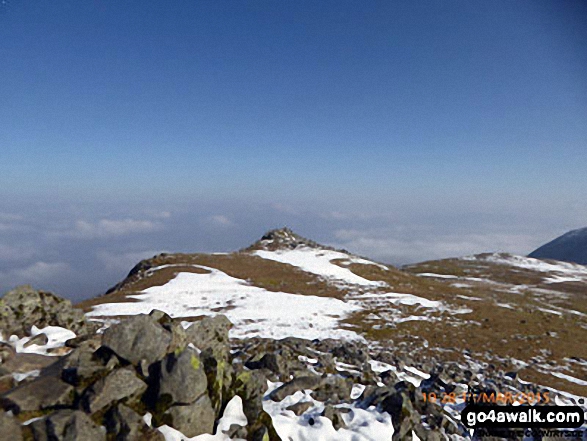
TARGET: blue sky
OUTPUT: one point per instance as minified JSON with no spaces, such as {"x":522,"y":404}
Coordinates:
{"x":400,"y":130}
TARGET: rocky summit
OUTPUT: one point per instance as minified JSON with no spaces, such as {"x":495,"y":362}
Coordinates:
{"x":290,"y":340}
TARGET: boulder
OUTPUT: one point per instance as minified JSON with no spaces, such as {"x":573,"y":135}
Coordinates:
{"x":41,"y":393}
{"x":334,"y":414}
{"x":251,"y":387}
{"x":138,"y":338}
{"x":192,"y":419}
{"x":10,"y":428}
{"x":333,"y":388}
{"x":24,"y":306}
{"x":124,"y":424}
{"x":301,"y":407}
{"x":211,"y":332}
{"x":23,"y":362}
{"x":120,"y":384}
{"x":68,"y":425}
{"x":182,"y":377}
{"x":299,"y":383}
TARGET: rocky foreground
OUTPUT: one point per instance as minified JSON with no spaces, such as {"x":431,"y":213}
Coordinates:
{"x":151,"y":377}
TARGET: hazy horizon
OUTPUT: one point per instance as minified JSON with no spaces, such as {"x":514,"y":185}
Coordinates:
{"x":399,"y":131}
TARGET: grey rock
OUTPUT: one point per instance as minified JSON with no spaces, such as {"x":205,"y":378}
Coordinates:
{"x":24,"y":306}
{"x":334,"y":414}
{"x":23,"y":362}
{"x":127,"y":425}
{"x":39,"y":339}
{"x":41,"y":393}
{"x":194,"y":419}
{"x":299,"y":383}
{"x":10,"y":428}
{"x":211,"y":332}
{"x":300,"y":408}
{"x":269,"y":361}
{"x":120,"y":384}
{"x":73,"y":425}
{"x":251,"y":387}
{"x":333,"y":388}
{"x":7,"y":382}
{"x":182,"y":377}
{"x":6,"y":352}
{"x":138,"y":338}
{"x":84,"y":365}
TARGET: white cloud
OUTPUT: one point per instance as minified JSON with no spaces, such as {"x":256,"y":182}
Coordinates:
{"x":10,"y":253}
{"x":38,"y":274}
{"x":389,"y":246}
{"x":117,"y":262}
{"x":111,"y":228}
{"x":221,"y":220}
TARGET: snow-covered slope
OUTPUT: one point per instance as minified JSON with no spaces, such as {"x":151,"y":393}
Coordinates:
{"x":501,"y":309}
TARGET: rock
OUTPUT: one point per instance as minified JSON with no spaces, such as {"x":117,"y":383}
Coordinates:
{"x":84,"y":365}
{"x":211,"y":332}
{"x":127,"y":425}
{"x":24,"y":306}
{"x":178,"y":337}
{"x":138,"y":338}
{"x":219,"y":374}
{"x":194,"y":419}
{"x":39,"y":339}
{"x":334,"y":414}
{"x":182,"y":377}
{"x":23,"y":362}
{"x":333,"y":388}
{"x":269,"y":361}
{"x":41,"y":393}
{"x":300,"y":408}
{"x":120,"y":384}
{"x":251,"y":387}
{"x":71,"y":425}
{"x":7,"y":382}
{"x":299,"y":383}
{"x":6,"y":352}
{"x":10,"y":428}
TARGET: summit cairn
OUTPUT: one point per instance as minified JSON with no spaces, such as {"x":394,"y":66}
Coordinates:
{"x":284,"y":239}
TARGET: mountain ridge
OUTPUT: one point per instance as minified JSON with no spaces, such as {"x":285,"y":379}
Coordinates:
{"x":569,"y":247}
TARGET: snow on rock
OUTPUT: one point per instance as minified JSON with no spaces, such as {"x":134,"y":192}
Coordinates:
{"x":319,"y":262}
{"x":233,"y":414}
{"x":56,"y":337}
{"x":362,"y":424}
{"x":254,"y":311}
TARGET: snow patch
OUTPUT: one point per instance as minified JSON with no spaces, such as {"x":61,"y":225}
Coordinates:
{"x":254,"y":311}
{"x":319,"y":262}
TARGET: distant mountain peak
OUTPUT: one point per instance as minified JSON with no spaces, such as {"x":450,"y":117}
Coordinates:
{"x":570,"y":247}
{"x":284,"y":239}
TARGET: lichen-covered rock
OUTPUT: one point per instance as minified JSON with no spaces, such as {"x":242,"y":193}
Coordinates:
{"x":219,"y":373}
{"x":182,"y":378}
{"x":138,"y":338}
{"x":23,"y":307}
{"x":120,"y":384}
{"x":211,"y":333}
{"x":193,"y":419}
